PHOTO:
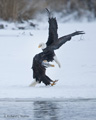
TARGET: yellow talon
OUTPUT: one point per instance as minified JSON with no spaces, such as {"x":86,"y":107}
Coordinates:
{"x":54,"y":82}
{"x":52,"y":65}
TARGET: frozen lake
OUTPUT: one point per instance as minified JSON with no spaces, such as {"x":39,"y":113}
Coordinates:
{"x":32,"y":109}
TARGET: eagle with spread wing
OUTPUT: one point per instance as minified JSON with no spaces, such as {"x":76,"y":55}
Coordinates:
{"x":41,"y":60}
{"x":53,"y":41}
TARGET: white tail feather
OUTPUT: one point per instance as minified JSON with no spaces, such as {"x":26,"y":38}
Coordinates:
{"x":33,"y":83}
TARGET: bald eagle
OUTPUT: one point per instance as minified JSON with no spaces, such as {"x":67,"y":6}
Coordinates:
{"x":39,"y":69}
{"x":41,"y":60}
{"x":53,"y":41}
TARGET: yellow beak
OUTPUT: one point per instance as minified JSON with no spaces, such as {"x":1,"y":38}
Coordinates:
{"x":39,"y":46}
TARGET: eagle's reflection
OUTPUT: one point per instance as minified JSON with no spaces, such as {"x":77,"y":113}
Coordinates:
{"x":46,"y":110}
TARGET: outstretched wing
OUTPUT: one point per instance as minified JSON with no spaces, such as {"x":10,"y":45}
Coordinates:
{"x":63,"y":40}
{"x":53,"y":36}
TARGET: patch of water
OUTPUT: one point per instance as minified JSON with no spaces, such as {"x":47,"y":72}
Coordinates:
{"x":69,"y":109}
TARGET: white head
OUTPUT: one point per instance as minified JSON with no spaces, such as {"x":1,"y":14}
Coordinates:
{"x":42,"y":45}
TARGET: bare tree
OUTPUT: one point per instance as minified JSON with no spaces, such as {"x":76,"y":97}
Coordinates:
{"x":16,"y":10}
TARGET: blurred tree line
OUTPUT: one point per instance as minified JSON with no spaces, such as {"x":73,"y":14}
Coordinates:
{"x":18,"y":10}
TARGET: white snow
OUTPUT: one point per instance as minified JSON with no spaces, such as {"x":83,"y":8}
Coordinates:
{"x":77,"y":75}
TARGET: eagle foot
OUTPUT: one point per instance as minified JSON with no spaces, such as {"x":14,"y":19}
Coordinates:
{"x":47,"y":64}
{"x":54,"y":82}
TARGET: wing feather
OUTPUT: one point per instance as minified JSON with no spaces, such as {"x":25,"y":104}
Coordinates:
{"x":63,"y":40}
{"x":53,"y":36}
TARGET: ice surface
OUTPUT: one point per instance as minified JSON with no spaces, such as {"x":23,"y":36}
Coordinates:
{"x":77,"y":75}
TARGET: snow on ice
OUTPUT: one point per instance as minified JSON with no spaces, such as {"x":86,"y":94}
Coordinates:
{"x":77,"y":75}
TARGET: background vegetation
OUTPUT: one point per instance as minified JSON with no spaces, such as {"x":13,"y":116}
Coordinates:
{"x":18,"y":10}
